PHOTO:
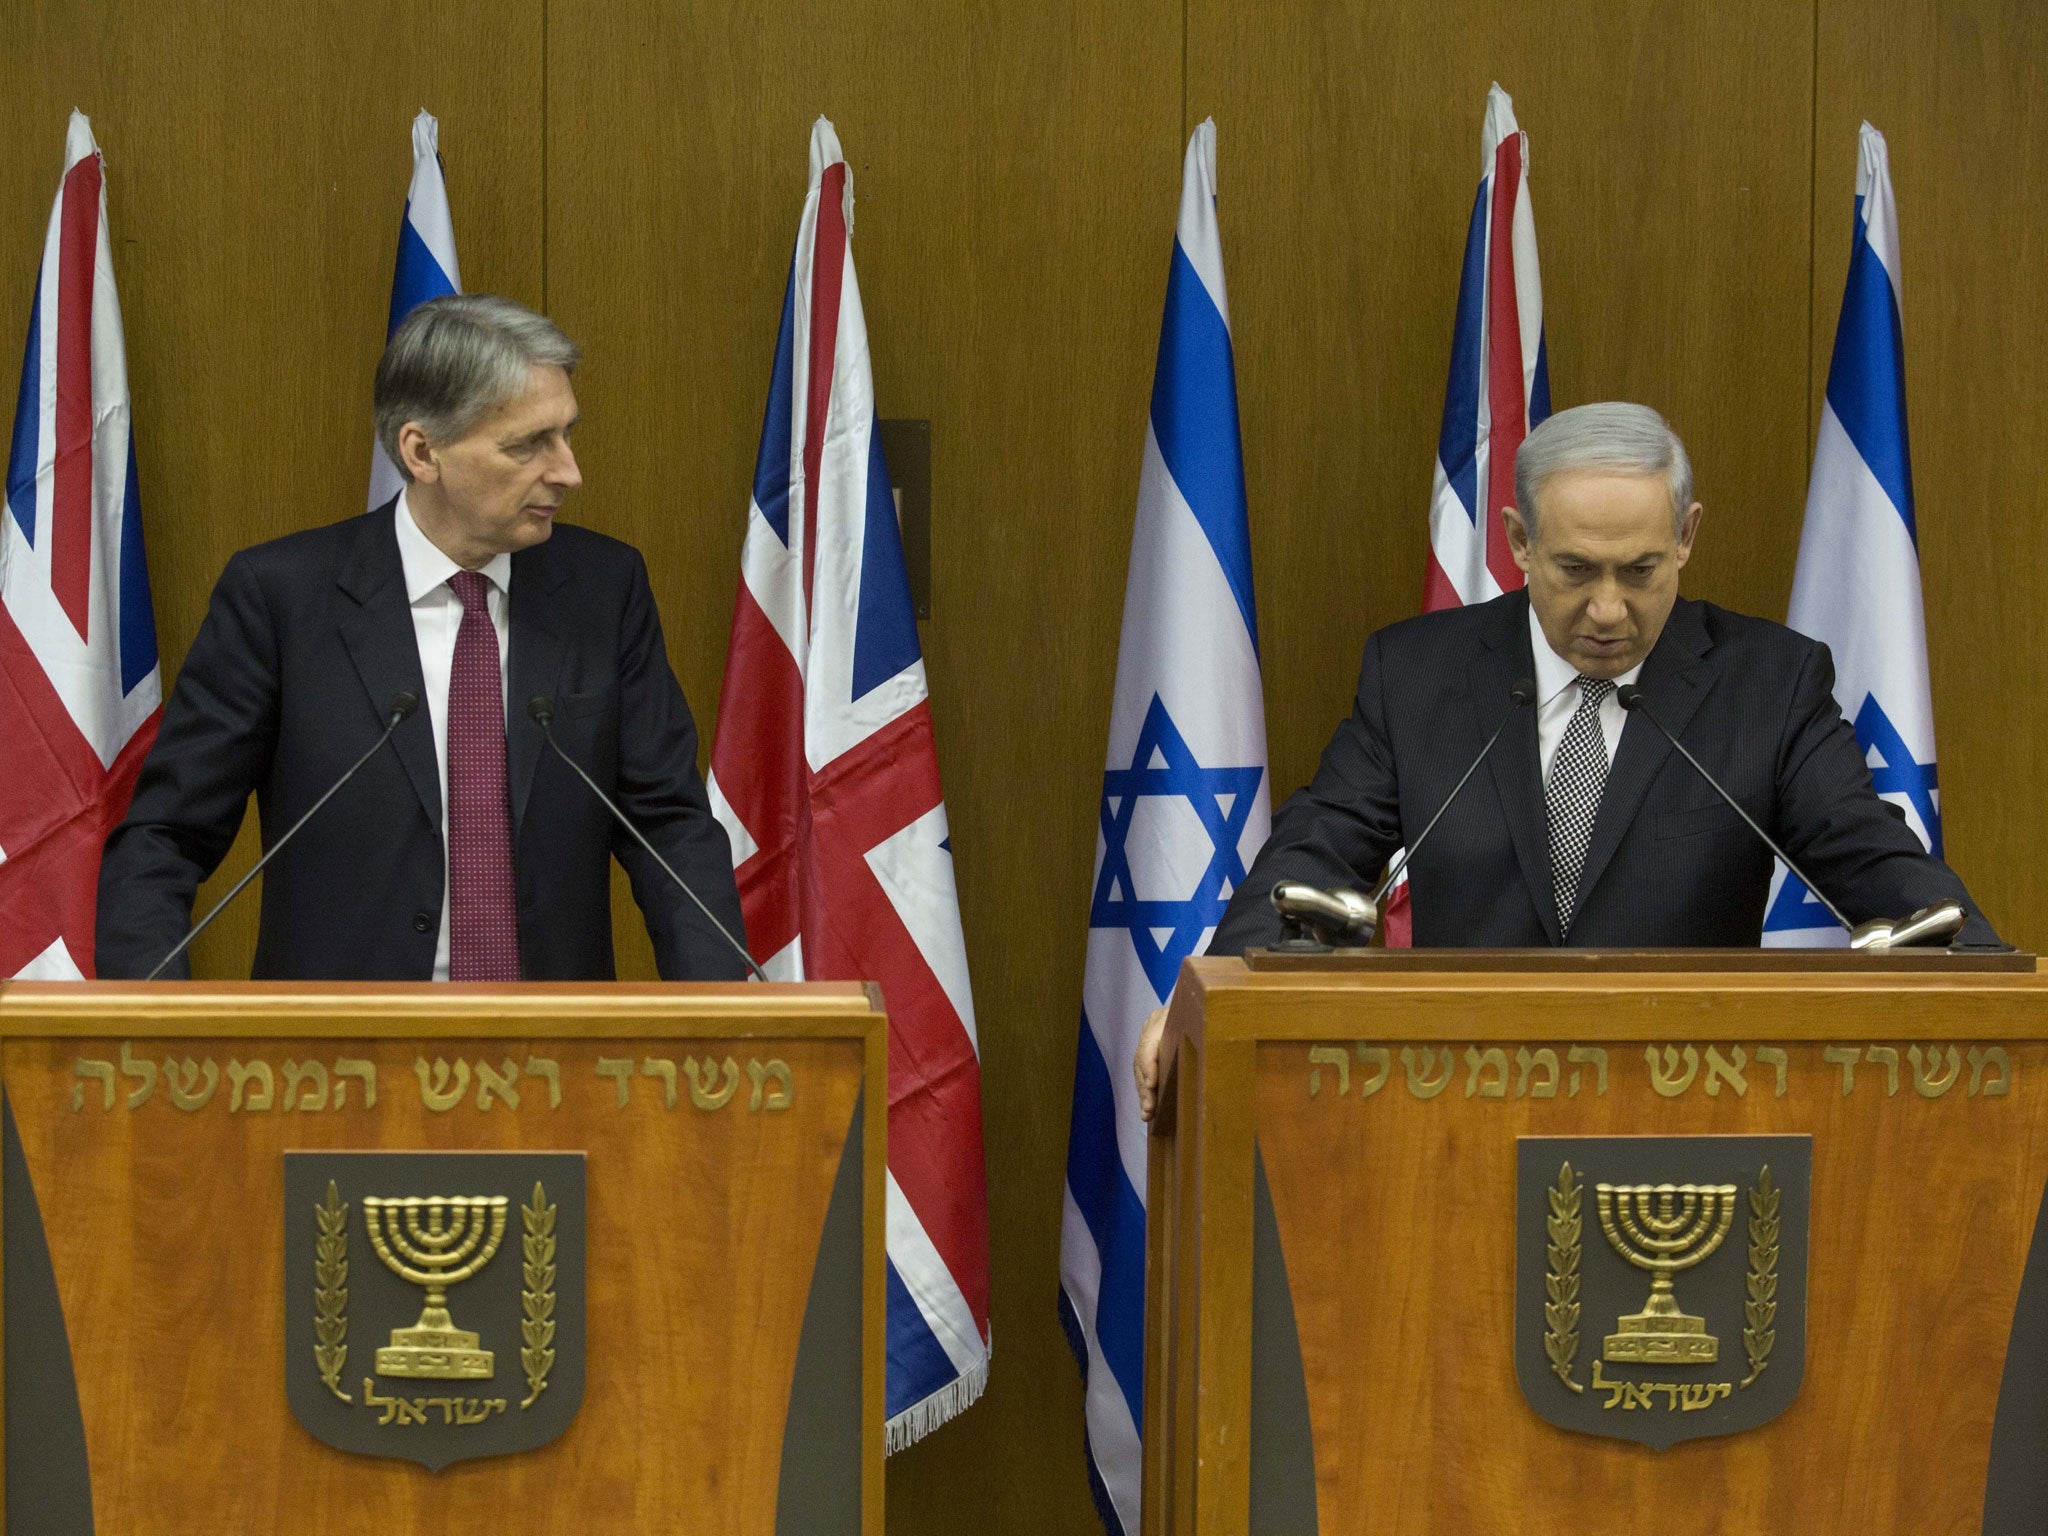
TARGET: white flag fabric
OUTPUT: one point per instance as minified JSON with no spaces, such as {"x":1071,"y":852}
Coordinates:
{"x":1184,"y":811}
{"x":425,"y":268}
{"x":1857,"y":584}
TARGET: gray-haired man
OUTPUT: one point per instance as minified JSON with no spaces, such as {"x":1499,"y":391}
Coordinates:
{"x":1585,"y":827}
{"x":463,"y":850}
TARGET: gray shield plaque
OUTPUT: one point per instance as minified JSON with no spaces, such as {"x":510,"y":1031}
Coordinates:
{"x":434,"y":1301}
{"x":1660,"y":1282}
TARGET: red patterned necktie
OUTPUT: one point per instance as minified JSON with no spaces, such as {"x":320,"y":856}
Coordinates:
{"x":483,"y":913}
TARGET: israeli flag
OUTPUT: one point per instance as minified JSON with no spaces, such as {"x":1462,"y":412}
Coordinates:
{"x":1184,"y":811}
{"x":1857,"y":585}
{"x":425,"y":268}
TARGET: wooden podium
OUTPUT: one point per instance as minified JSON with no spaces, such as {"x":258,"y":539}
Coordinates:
{"x":1376,"y":1290}
{"x":676,"y":1323}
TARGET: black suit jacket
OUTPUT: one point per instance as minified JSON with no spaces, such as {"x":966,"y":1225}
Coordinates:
{"x":304,"y":645}
{"x":1669,"y":864}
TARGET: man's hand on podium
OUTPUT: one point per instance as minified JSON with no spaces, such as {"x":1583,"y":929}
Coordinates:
{"x":1147,"y":1064}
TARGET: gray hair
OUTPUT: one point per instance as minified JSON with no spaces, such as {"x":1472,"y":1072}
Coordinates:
{"x":456,"y":359}
{"x":1614,"y":438}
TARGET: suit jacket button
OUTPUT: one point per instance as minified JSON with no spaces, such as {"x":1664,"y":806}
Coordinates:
{"x":422,"y":923}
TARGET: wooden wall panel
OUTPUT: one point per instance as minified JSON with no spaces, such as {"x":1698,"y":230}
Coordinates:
{"x":1669,"y":163}
{"x":1016,"y":172}
{"x":1959,"y":91}
{"x":257,"y":164}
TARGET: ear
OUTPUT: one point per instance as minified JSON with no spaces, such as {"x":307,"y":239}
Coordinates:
{"x":1687,"y":530}
{"x":1518,"y":537}
{"x":416,"y":454}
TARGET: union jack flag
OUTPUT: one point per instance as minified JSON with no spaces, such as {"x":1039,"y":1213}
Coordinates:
{"x":826,"y":778}
{"x":80,"y":693}
{"x":1499,"y":390}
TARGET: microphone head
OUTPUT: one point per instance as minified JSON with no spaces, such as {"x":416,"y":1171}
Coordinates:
{"x":1629,"y":696}
{"x":1343,"y":913}
{"x":541,"y":707}
{"x":1523,"y":692}
{"x":403,"y":704}
{"x":1930,"y":925}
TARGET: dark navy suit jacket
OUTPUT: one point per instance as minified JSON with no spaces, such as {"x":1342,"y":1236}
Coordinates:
{"x":1669,"y":864}
{"x":304,"y":645}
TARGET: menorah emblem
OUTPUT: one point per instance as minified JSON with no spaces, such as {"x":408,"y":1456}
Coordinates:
{"x":1664,"y":1228}
{"x":437,"y":1242}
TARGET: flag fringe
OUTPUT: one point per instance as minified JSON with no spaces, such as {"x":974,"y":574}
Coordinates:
{"x":921,"y":1418}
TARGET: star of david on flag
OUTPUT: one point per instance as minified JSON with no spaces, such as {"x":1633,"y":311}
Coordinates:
{"x":1184,"y":811}
{"x":1166,"y":930}
{"x":1857,"y":584}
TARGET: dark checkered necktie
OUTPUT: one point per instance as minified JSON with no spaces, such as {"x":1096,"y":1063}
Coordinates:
{"x":1577,"y":775}
{"x":483,"y":911}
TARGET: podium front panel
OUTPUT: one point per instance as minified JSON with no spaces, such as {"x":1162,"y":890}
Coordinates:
{"x":666,"y":1315}
{"x":1457,"y":1166}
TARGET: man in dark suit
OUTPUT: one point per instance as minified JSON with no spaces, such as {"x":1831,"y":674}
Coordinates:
{"x":1585,"y":827}
{"x":467,"y":594}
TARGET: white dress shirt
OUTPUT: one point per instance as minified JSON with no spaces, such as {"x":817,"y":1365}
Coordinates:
{"x":1557,"y":699}
{"x":436,"y":616}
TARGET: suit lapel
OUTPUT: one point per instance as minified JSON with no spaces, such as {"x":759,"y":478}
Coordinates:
{"x":380,"y":641}
{"x":1674,"y":680}
{"x":1517,"y":773}
{"x":535,"y":667}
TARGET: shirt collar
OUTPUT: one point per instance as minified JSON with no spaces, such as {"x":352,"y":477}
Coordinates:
{"x":1553,"y":673}
{"x":427,"y":567}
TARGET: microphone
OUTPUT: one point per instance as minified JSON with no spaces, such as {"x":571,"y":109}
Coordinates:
{"x":403,"y":704}
{"x":1348,"y":915}
{"x":1942,"y":920}
{"x":1930,"y":925}
{"x":542,"y":708}
{"x":1307,"y":908}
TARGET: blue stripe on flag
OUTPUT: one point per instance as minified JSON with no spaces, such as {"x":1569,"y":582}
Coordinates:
{"x":918,"y":1362}
{"x":885,"y":631}
{"x":28,"y":417}
{"x":1116,"y":1220}
{"x":1539,"y":388}
{"x":771,"y":464}
{"x":1457,"y":441}
{"x":1194,"y":418}
{"x":417,"y":277}
{"x":1105,"y":1506}
{"x":137,"y":617}
{"x":1867,"y":374}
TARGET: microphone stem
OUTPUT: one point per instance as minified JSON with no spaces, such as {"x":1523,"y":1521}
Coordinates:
{"x":547,"y":730}
{"x":1408,"y":853}
{"x":277,"y":847}
{"x":1643,"y":709}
